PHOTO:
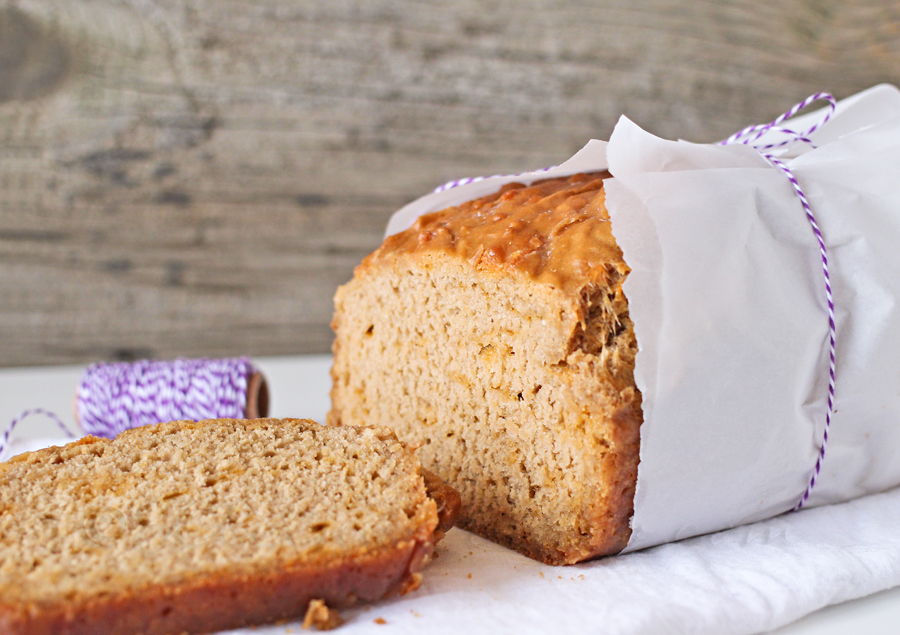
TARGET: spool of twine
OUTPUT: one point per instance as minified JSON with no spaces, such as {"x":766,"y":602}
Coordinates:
{"x":113,"y":397}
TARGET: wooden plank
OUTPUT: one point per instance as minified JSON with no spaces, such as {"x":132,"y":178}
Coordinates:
{"x":197,"y":177}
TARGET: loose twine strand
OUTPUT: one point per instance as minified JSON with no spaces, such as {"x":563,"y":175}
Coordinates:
{"x":449,"y":185}
{"x":27,"y":413}
{"x":113,"y":397}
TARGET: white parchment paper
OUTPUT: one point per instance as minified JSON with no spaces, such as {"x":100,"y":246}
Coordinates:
{"x":727,"y":296}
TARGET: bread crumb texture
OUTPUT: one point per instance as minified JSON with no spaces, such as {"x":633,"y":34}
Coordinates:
{"x":496,"y":337}
{"x":320,"y":617}
{"x":195,"y":527}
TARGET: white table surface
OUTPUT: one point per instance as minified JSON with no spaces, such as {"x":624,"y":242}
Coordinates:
{"x":299,"y":387}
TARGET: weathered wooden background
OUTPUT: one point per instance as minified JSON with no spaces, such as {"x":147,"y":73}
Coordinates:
{"x":195,"y":177}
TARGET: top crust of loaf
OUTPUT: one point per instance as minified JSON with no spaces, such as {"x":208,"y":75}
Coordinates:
{"x":556,"y":231}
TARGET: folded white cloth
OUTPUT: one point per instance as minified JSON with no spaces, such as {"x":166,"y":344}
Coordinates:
{"x":744,"y":580}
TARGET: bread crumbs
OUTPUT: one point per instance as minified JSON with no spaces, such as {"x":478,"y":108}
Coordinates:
{"x":320,"y":617}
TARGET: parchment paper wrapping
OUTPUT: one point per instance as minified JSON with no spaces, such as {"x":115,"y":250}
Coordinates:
{"x":727,"y":297}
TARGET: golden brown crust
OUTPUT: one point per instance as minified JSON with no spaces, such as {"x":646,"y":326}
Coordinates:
{"x":222,"y":602}
{"x":555,"y":231}
{"x":612,"y":522}
{"x":447,"y":500}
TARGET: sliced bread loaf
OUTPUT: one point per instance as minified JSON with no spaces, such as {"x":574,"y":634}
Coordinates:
{"x":196,"y":527}
{"x":496,"y":337}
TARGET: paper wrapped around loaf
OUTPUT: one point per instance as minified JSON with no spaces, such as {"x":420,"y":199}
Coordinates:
{"x":483,"y":362}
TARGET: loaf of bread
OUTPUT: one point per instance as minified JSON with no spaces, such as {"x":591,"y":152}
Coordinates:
{"x":496,"y":337}
{"x":196,"y":527}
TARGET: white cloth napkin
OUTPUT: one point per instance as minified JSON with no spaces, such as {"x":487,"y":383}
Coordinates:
{"x":744,"y":580}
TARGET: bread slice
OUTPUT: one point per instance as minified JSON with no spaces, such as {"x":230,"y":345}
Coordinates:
{"x":495,"y":335}
{"x":197,"y":527}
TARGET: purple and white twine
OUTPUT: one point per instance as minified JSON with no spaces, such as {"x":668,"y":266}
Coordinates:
{"x":748,"y":136}
{"x":118,"y":396}
{"x":113,"y":397}
{"x":449,"y":185}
